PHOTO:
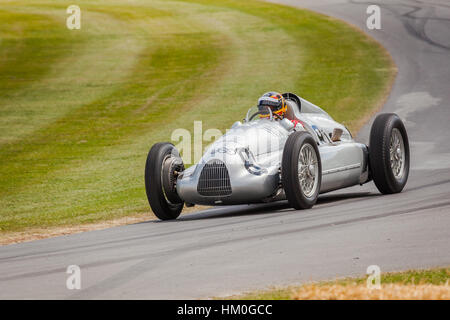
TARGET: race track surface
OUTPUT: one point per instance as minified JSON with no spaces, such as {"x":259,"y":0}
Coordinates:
{"x":232,"y":249}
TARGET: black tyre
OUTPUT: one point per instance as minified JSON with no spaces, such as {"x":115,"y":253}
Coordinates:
{"x":163,"y":163}
{"x":301,"y":170}
{"x":389,"y":153}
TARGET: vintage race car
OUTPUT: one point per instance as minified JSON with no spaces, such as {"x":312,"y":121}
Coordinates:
{"x":265,"y":159}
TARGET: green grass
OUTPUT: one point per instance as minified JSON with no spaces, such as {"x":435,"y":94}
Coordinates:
{"x":79,"y":109}
{"x":435,"y":276}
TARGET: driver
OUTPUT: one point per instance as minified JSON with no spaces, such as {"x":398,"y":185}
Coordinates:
{"x":277,"y":103}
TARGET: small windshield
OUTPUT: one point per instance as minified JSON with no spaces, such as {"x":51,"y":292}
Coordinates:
{"x":257,"y":113}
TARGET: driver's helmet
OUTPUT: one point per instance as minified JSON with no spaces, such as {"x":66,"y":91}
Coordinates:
{"x":275,"y":101}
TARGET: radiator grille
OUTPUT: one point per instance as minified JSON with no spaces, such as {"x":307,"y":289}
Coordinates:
{"x":214,"y":179}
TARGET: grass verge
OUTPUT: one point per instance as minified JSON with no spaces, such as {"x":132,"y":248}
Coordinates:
{"x":429,"y":284}
{"x":79,"y":109}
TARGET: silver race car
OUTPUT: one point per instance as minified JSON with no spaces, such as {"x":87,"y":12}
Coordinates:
{"x":265,"y":158}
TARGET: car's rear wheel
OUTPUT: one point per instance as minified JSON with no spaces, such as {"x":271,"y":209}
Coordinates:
{"x":162,"y":166}
{"x":389,"y":153}
{"x":301,"y":170}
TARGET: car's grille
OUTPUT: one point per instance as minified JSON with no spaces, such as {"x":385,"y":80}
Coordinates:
{"x":214,"y":179}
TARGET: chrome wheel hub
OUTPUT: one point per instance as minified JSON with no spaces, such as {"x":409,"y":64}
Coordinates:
{"x":311,"y":170}
{"x":397,"y":154}
{"x":308,"y":170}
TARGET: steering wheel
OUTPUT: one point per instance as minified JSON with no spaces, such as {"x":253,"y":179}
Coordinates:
{"x":262,"y":112}
{"x":255,"y":114}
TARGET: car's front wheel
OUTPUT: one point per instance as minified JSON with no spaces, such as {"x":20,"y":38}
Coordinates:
{"x":162,"y":166}
{"x":301,"y":170}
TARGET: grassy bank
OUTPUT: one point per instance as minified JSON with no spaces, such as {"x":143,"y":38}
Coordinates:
{"x":79,"y":109}
{"x":413,"y":284}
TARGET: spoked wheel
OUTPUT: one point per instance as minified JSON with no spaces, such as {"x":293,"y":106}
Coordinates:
{"x":308,"y":170}
{"x":389,"y":153}
{"x":397,"y":154}
{"x":161,"y":169}
{"x":301,"y":170}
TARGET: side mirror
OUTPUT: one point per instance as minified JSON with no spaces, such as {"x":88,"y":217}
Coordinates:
{"x":337,"y":133}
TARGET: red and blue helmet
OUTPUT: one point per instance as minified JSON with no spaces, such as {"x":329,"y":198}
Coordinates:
{"x":275,"y":101}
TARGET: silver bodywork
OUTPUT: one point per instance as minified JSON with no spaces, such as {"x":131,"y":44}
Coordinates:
{"x":244,"y":165}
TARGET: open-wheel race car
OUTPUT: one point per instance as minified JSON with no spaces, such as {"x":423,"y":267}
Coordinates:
{"x":269,"y":158}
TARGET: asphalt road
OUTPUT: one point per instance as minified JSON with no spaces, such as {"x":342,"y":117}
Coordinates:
{"x":228,"y":250}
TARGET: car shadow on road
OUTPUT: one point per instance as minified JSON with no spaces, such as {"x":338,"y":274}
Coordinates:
{"x":330,"y":198}
{"x":266,"y":208}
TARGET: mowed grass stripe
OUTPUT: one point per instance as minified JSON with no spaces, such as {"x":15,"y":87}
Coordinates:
{"x":26,"y":60}
{"x":80,"y":73}
{"x":201,"y":61}
{"x":169,"y":66}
